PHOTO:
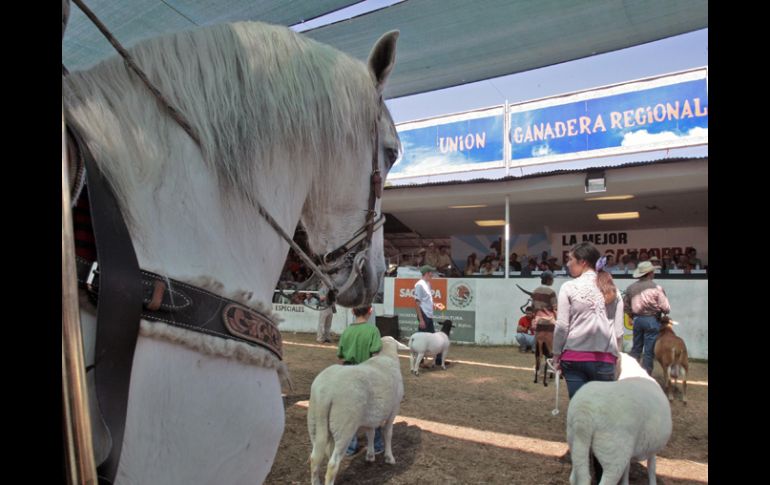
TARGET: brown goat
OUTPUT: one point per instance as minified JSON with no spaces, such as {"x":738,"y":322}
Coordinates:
{"x":671,"y":354}
{"x":543,"y":345}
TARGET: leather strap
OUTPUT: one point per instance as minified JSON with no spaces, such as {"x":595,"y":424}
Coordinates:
{"x":118,"y":309}
{"x":124,"y":294}
{"x":185,"y":306}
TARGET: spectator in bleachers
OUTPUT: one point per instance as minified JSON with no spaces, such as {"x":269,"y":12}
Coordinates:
{"x":611,"y":264}
{"x":553,"y":264}
{"x":643,"y":256}
{"x":444,"y":261}
{"x":514,"y":262}
{"x":692,"y":255}
{"x":487,"y":259}
{"x":486,"y":268}
{"x":286,"y":274}
{"x":529,"y":268}
{"x":631,"y":262}
{"x":471,"y":265}
{"x":431,"y":255}
{"x":684,"y":264}
{"x":497,"y":246}
{"x":667,"y":263}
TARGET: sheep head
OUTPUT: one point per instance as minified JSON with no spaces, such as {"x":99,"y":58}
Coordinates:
{"x":391,"y":346}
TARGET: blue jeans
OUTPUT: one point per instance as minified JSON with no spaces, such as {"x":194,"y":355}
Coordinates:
{"x":378,"y":443}
{"x":578,"y":373}
{"x":525,"y":340}
{"x":646,"y":329}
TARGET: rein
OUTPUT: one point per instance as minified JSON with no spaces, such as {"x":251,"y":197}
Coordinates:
{"x":173,"y":112}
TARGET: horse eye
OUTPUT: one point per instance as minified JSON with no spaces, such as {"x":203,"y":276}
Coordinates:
{"x":391,"y":154}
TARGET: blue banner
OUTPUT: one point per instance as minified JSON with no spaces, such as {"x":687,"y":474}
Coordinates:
{"x":672,"y":115}
{"x":450,"y":147}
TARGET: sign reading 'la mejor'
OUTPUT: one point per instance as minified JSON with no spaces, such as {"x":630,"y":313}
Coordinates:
{"x":665,"y":112}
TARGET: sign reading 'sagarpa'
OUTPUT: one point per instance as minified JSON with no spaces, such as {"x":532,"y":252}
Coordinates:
{"x":670,"y":111}
{"x":458,"y":304}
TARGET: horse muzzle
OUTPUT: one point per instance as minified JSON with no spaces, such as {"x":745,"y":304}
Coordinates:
{"x":359,"y":284}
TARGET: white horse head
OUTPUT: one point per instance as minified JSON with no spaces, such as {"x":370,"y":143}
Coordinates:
{"x":284,"y":122}
{"x":330,"y":223}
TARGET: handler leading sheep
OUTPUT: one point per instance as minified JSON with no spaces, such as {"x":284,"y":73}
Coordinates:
{"x":589,"y":324}
{"x":423,"y":300}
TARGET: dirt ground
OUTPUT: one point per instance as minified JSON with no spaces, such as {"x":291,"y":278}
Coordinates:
{"x":502,"y":402}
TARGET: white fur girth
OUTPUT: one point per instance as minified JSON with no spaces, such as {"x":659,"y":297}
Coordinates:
{"x":217,"y":346}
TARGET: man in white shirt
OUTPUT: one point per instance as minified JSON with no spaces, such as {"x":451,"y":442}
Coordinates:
{"x":423,"y":300}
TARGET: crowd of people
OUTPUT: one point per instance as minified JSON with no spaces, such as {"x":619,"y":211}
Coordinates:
{"x":687,"y":261}
{"x":438,"y":257}
{"x":494,"y":262}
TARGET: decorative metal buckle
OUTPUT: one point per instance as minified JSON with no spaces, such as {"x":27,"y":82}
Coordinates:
{"x":91,"y":275}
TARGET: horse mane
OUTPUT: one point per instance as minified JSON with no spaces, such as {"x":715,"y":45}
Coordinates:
{"x":251,"y":91}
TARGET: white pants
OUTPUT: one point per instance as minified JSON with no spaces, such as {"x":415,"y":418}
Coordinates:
{"x":324,"y":325}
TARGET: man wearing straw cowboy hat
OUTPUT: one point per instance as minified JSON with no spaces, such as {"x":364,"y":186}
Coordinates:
{"x":645,"y":301}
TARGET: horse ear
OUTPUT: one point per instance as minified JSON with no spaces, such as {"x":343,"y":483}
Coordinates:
{"x":383,"y":58}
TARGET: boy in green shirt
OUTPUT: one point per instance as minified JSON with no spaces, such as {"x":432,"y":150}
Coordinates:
{"x":358,"y":343}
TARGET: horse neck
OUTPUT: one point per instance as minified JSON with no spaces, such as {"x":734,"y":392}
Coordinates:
{"x":186,"y":230}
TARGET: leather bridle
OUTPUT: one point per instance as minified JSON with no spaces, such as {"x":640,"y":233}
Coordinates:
{"x":150,"y":295}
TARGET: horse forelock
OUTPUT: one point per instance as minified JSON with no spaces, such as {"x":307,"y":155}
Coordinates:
{"x":261,"y":97}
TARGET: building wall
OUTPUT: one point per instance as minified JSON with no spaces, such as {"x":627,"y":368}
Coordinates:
{"x":498,"y":310}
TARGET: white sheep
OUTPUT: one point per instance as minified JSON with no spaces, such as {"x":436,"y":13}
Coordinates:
{"x":346,"y":398}
{"x":618,"y":421}
{"x":425,"y":343}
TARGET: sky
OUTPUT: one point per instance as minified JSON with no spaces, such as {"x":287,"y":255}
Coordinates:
{"x":669,"y":55}
{"x":665,"y":56}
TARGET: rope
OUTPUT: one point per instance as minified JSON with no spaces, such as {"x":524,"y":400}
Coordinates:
{"x":177,"y":115}
{"x":557,"y":373}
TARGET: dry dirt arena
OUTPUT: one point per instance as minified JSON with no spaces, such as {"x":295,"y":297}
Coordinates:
{"x":482,"y":420}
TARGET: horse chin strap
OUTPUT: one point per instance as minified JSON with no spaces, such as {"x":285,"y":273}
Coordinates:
{"x":355,"y":271}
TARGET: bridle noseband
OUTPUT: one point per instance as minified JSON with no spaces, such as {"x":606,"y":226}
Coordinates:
{"x":354,"y":251}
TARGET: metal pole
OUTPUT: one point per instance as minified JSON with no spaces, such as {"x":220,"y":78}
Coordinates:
{"x":79,"y":452}
{"x":507,"y":234}
{"x":506,"y":138}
